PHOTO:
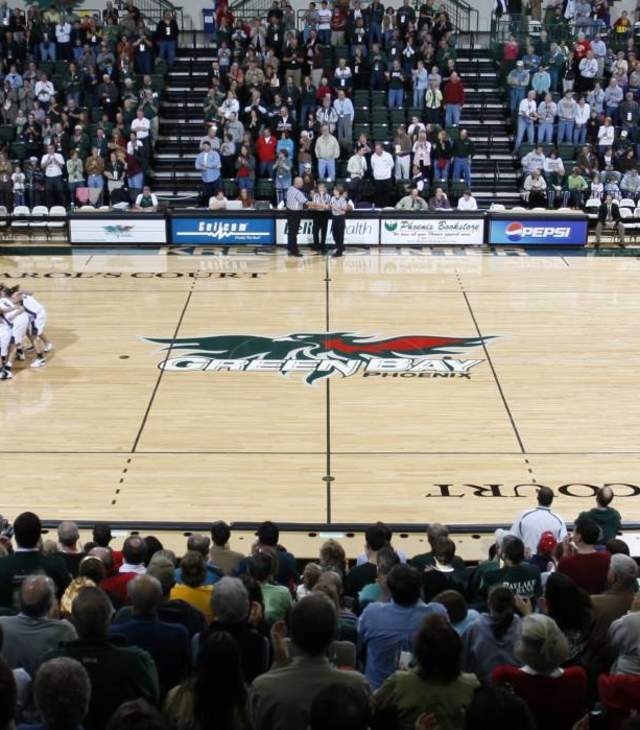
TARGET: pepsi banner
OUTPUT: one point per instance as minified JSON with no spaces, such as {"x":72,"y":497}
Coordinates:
{"x":227,"y":231}
{"x":549,"y":231}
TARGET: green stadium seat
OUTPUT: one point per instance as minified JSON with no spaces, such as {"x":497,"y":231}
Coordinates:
{"x":229,"y":187}
{"x":567,"y":151}
{"x":7,"y":133}
{"x":19,"y":150}
{"x":265,"y":189}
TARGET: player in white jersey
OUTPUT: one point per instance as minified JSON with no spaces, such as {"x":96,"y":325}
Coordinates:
{"x":31,"y":323}
{"x":8,"y":312}
{"x":38,"y":319}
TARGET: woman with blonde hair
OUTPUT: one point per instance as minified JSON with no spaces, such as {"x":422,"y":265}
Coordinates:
{"x":557,"y":697}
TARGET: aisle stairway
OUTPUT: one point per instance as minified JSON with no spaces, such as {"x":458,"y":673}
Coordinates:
{"x":484,"y":115}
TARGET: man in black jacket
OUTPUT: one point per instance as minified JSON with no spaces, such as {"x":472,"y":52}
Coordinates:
{"x":167,"y":38}
{"x":609,"y":216}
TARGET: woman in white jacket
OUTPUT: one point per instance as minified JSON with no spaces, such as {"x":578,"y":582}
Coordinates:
{"x":606,"y":135}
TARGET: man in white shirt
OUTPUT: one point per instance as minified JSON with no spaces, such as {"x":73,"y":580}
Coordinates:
{"x":356,"y":170}
{"x":324,"y":23}
{"x":141,"y":126}
{"x":583,"y":112}
{"x":533,"y":160}
{"x":382,"y":165}
{"x":526,"y":117}
{"x":44,"y":91}
{"x":533,"y":522}
{"x":467,"y":201}
{"x":63,"y":40}
{"x":588,"y":68}
{"x":53,"y":165}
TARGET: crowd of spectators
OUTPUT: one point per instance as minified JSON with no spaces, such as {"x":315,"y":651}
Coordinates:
{"x":79,"y":103}
{"x":573,"y":91}
{"x":100,"y":635}
{"x":284,"y":102}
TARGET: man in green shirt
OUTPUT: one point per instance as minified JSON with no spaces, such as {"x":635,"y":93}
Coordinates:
{"x":118,"y":672}
{"x":277,"y":598}
{"x":28,"y":560}
{"x":607,"y":518}
{"x":518,"y":575}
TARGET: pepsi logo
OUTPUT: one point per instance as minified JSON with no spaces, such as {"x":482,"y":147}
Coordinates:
{"x":514,"y":231}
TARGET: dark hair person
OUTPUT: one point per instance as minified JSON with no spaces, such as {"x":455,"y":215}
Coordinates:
{"x":436,"y":685}
{"x":215,"y":695}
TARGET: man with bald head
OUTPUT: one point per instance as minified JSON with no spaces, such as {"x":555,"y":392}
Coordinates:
{"x":134,"y":552}
{"x":31,"y":633}
{"x":607,"y":518}
{"x":169,"y":644}
{"x":424,"y":561}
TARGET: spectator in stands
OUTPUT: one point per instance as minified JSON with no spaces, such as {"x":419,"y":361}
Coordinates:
{"x":167,"y":38}
{"x":442,"y":153}
{"x":386,"y":560}
{"x":412,"y":201}
{"x":435,"y":686}
{"x":28,"y":560}
{"x":490,"y":640}
{"x":62,"y":694}
{"x":433,"y":102}
{"x":567,"y":109}
{"x":277,"y":598}
{"x":521,"y":577}
{"x":396,"y":82}
{"x":68,"y":537}
{"x":453,"y":100}
{"x":208,"y":164}
{"x":527,"y":114}
{"x":533,"y":160}
{"x":463,"y":151}
{"x":618,"y":597}
{"x":384,"y":629}
{"x":220,"y":555}
{"x":586,"y":566}
{"x":606,"y":517}
{"x":424,"y":561}
{"x":557,"y":697}
{"x":193,"y":588}
{"x":283,"y":696}
{"x":174,"y":611}
{"x":30,"y":634}
{"x":531,"y":523}
{"x":460,"y":615}
{"x":547,"y":113}
{"x":571,"y":608}
{"x":382,"y":166}
{"x":613,"y":96}
{"x":518,"y":81}
{"x":534,"y":190}
{"x":623,"y":636}
{"x":134,"y":551}
{"x":266,"y":153}
{"x":146,"y":201}
{"x":375,"y":539}
{"x":167,"y":643}
{"x":630,"y":184}
{"x":117,"y":673}
{"x":327,"y":151}
{"x":215,"y":694}
{"x":402,"y":148}
{"x":467,"y":202}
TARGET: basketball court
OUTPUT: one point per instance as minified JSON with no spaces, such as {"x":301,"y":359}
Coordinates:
{"x":395,"y":386}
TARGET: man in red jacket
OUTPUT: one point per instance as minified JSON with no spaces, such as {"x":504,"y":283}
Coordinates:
{"x":134,"y":552}
{"x":266,"y":151}
{"x":453,"y":100}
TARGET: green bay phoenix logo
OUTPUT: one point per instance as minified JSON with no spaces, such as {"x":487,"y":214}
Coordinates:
{"x":320,"y":356}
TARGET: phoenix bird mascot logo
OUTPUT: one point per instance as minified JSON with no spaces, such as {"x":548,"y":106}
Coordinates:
{"x":319,"y":356}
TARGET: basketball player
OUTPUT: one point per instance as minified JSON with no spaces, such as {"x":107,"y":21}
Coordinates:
{"x":37,"y":322}
{"x":8,"y":312}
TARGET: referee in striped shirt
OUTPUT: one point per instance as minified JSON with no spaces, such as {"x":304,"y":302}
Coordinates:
{"x":295,"y":202}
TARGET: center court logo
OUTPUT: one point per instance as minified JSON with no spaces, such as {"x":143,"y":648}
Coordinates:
{"x":320,"y":356}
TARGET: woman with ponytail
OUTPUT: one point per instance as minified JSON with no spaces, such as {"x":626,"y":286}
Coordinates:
{"x":491,"y":640}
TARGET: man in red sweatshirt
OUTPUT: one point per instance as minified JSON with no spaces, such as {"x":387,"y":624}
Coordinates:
{"x":266,"y":151}
{"x":453,"y":100}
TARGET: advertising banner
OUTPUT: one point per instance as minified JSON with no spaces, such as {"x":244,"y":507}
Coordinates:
{"x":227,"y":231}
{"x":539,"y":232}
{"x":120,"y":231}
{"x":360,"y":231}
{"x":432,"y":231}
